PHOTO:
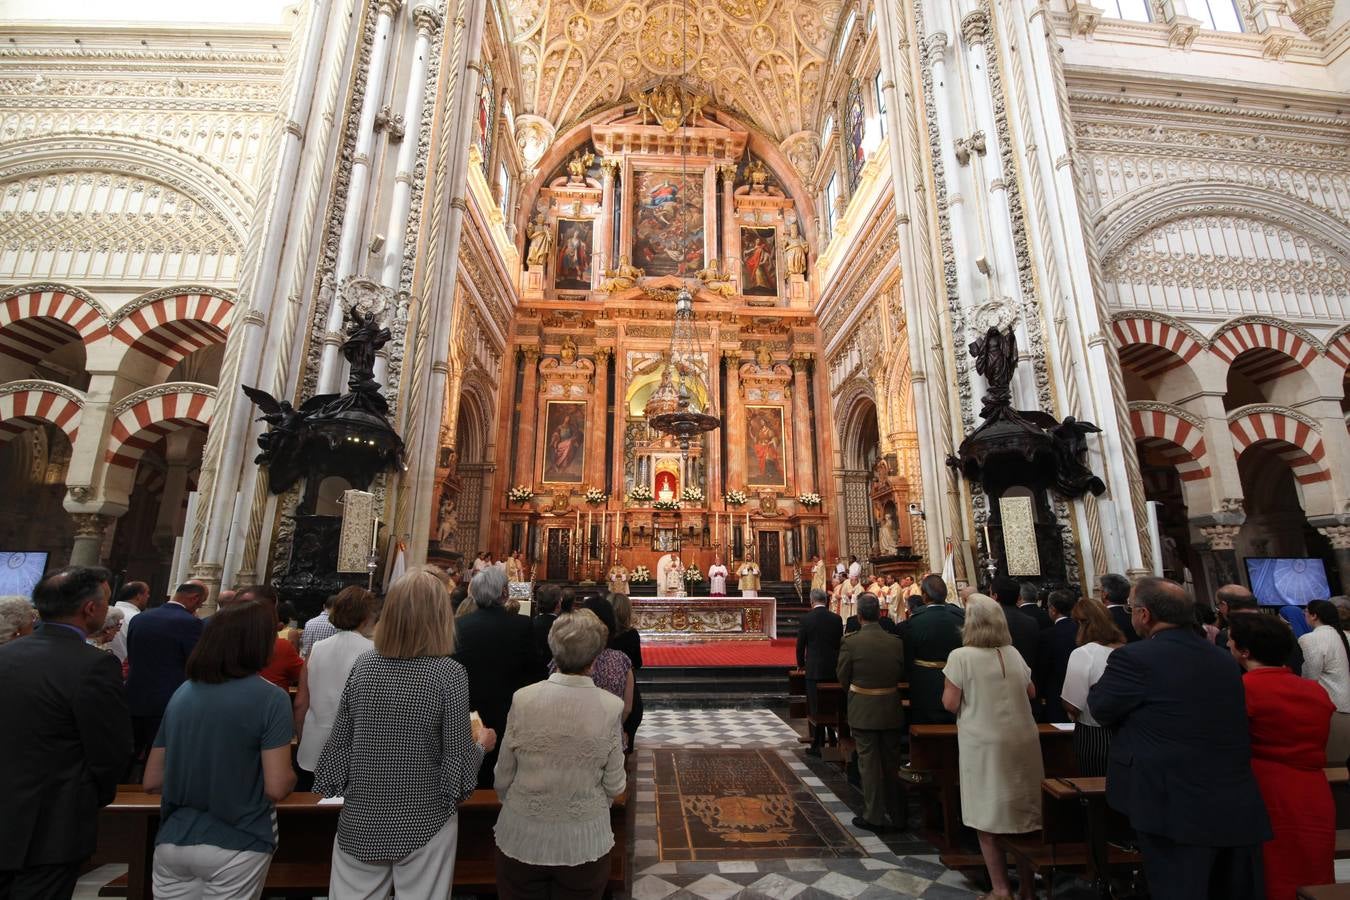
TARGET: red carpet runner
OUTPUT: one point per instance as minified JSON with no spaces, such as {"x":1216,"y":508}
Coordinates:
{"x":721,"y":653}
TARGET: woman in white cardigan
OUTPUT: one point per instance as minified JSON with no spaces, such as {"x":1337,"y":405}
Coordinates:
{"x":561,"y":765}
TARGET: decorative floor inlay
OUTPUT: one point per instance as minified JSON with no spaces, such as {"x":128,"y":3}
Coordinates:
{"x":730,"y":729}
{"x":740,"y":805}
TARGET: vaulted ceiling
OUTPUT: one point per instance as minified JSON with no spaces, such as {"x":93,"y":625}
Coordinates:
{"x":764,"y":60}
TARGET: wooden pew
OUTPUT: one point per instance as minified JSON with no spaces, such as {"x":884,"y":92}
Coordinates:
{"x":797,"y":694}
{"x":933,"y":749}
{"x":306,"y":829}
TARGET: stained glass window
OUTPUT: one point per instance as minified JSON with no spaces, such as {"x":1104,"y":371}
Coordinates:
{"x":486,"y":117}
{"x":855,"y":126}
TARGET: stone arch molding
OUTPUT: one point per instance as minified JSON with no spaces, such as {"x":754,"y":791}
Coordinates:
{"x":204,"y":181}
{"x":849,"y":410}
{"x":24,"y":403}
{"x":1134,"y":214}
{"x":475,"y":408}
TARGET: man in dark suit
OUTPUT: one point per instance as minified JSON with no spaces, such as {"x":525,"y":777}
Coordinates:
{"x":496,"y":649}
{"x":887,"y":624}
{"x":1057,"y":642}
{"x":159,"y":642}
{"x":1235,"y":600}
{"x":1026,"y":634}
{"x":66,"y":740}
{"x":546,"y":604}
{"x":1180,"y":764}
{"x":1026,"y":602}
{"x":818,"y":637}
{"x":871,"y":664}
{"x":1115,"y":594}
{"x":930,"y":633}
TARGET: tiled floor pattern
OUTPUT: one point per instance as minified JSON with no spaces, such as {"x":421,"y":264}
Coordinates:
{"x":899,"y":867}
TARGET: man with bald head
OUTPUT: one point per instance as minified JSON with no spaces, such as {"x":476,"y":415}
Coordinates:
{"x":1180,"y":762}
{"x":159,"y":641}
{"x":1235,"y":600}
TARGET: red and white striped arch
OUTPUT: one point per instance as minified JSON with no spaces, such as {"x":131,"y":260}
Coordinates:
{"x":22,"y":408}
{"x":1174,"y":439}
{"x":1339,"y":348}
{"x":1297,"y":443}
{"x":1150,"y":347}
{"x":1267,"y":350}
{"x":140,"y":426}
{"x":173,"y":326}
{"x":35,"y":321}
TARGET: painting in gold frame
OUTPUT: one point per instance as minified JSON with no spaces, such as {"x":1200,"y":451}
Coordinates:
{"x":764,"y":448}
{"x":564,"y":459}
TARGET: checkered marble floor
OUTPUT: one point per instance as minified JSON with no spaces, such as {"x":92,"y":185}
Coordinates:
{"x":883,"y":872}
{"x":715,"y":729}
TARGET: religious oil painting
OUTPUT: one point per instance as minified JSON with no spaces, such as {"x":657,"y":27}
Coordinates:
{"x":668,"y":222}
{"x":572,"y":266}
{"x":564,"y":442}
{"x":764,"y":446}
{"x":759,"y":262}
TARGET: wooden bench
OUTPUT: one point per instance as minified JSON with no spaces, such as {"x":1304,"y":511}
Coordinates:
{"x":305,"y":832}
{"x":933,"y":750}
{"x":1325,"y":892}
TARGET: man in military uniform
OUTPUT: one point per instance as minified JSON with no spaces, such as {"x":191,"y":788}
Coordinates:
{"x":871,"y":664}
{"x":929,"y":634}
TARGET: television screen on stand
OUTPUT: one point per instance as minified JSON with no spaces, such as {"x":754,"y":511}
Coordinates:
{"x":1287,"y":581}
{"x":20,"y":571}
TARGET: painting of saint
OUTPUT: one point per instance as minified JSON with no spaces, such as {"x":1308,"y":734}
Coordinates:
{"x":759,"y":262}
{"x":572,"y":269}
{"x":564,"y":442}
{"x":764,"y":447}
{"x":668,"y":223}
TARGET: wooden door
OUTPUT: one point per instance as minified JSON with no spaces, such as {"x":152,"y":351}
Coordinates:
{"x":559,"y":554}
{"x":769,"y":566}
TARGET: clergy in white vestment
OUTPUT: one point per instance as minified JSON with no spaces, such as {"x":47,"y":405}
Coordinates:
{"x":717,"y":578}
{"x":669,"y":585}
{"x":848,"y":597}
{"x":854,"y":567}
{"x":820,"y":575}
{"x":748,"y":578}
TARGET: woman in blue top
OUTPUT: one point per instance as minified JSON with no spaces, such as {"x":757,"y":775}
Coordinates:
{"x":221,"y":760}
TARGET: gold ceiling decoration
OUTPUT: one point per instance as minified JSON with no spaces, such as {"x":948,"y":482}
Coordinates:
{"x":763,"y":60}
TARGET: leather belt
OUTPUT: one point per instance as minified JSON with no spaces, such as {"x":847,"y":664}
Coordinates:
{"x":872,"y":692}
{"x":930,"y":663}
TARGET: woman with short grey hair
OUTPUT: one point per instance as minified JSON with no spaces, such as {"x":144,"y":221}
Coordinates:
{"x":17,"y":618}
{"x":560,"y":768}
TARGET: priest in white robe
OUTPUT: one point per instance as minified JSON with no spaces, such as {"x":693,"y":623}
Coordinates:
{"x":717,"y":578}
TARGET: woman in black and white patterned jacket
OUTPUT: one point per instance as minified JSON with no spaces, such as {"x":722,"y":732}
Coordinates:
{"x":403,"y":753}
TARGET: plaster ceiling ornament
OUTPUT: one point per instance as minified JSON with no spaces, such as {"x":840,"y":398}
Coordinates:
{"x":762,"y":60}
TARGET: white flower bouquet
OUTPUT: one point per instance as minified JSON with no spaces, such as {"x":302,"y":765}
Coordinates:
{"x":520,"y":494}
{"x":735,"y":498}
{"x":640,"y":575}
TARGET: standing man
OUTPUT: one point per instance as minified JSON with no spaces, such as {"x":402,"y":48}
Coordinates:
{"x":854,"y":567}
{"x":820,"y":575}
{"x":1026,"y":602}
{"x":849,"y":592}
{"x":1057,"y":643}
{"x":133,"y":598}
{"x":316,"y":629}
{"x":871,"y":664}
{"x":930,"y":633}
{"x":159,"y":642}
{"x":1026,"y":634}
{"x":818,"y":637}
{"x":1180,"y":763}
{"x":1115,"y":594}
{"x":717,"y":578}
{"x":66,"y":741}
{"x":546,"y":606}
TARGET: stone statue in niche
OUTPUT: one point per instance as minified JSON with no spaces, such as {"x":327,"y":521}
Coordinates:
{"x":995,"y":353}
{"x":445,"y":522}
{"x":888,"y":536}
{"x":717,"y":280}
{"x":568,"y":353}
{"x":764,"y":356}
{"x":794,"y":251}
{"x":623,"y":277}
{"x":541,"y":243}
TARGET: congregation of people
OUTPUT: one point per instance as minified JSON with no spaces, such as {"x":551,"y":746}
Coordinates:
{"x":401,"y":705}
{"x":1211,"y":725}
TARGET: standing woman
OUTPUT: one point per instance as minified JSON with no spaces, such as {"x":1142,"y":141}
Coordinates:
{"x":325,"y":675}
{"x":402,"y":752}
{"x":627,"y":641}
{"x":1097,"y":637}
{"x":1288,"y":717}
{"x":1326,"y":660}
{"x":223,"y":726}
{"x":989,"y":688}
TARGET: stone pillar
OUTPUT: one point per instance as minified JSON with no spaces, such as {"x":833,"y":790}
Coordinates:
{"x":731,"y":235}
{"x":177,"y":453}
{"x":802,"y":433}
{"x":735,"y":416}
{"x":1339,"y":535}
{"x":595,"y":424}
{"x":1221,"y":538}
{"x":606,"y":256}
{"x":90,"y":530}
{"x":528,"y":404}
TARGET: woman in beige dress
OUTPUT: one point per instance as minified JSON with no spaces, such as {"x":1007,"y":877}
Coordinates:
{"x":989,"y":688}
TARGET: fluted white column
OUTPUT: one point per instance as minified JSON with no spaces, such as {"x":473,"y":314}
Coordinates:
{"x":358,"y":185}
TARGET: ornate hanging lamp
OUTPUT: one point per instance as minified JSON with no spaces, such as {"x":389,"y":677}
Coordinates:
{"x":674,"y":407}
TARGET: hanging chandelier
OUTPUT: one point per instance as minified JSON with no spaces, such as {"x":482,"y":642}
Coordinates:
{"x":674,"y":407}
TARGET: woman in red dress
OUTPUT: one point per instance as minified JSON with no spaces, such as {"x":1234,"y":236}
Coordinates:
{"x":1289,"y":718}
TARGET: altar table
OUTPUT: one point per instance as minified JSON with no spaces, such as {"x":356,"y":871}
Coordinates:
{"x":697,"y":619}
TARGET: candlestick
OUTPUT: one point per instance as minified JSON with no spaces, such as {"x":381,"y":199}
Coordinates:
{"x":375,"y":534}
{"x":988,"y":546}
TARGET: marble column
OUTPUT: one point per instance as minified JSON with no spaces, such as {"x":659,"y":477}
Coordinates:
{"x":177,"y":457}
{"x":801,"y":424}
{"x":735,"y":413}
{"x":528,"y":405}
{"x":90,"y":531}
{"x":1221,"y":540}
{"x":595,"y":421}
{"x":731,"y":235}
{"x":609,"y":169}
{"x":1339,"y":535}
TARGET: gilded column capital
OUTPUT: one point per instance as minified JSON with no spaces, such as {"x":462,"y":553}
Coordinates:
{"x":800,"y":362}
{"x":602,"y":355}
{"x":975,"y":27}
{"x":610,"y":167}
{"x":727,"y":171}
{"x":426,"y":18}
{"x":532,"y":354}
{"x":731,"y":356}
{"x":90,"y":525}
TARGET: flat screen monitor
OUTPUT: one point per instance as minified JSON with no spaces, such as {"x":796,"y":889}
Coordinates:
{"x":1284,"y":581}
{"x":20,"y":572}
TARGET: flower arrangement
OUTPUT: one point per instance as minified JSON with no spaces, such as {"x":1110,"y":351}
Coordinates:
{"x":640,"y":575}
{"x":666,"y":504}
{"x":692,"y":575}
{"x":735,"y":498}
{"x":640,"y":493}
{"x":691,"y":494}
{"x":520,"y":494}
{"x":812,"y":499}
{"x":595,"y":496}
